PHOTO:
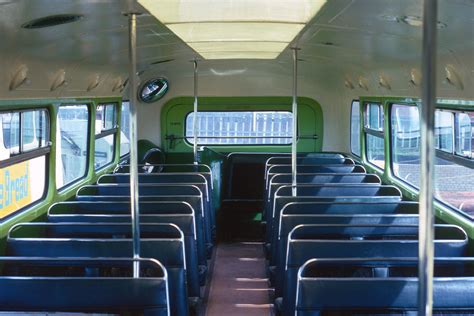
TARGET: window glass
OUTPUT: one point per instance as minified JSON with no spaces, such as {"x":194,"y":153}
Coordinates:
{"x":465,"y":134}
{"x":23,"y":183}
{"x":355,"y":128}
{"x":454,"y":183}
{"x":11,"y":133}
{"x":105,"y":121}
{"x":125,"y":129}
{"x":375,"y":116}
{"x":374,"y":123}
{"x":241,"y":128}
{"x":444,"y":131}
{"x":33,"y":126}
{"x":375,"y":150}
{"x":72,"y":155}
{"x":104,"y":151}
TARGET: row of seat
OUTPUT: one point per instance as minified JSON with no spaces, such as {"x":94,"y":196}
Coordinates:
{"x":339,"y":231}
{"x":176,"y":230}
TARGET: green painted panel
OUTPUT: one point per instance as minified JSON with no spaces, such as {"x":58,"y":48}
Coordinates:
{"x":310,"y":121}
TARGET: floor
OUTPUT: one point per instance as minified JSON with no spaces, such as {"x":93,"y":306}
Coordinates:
{"x":239,"y":285}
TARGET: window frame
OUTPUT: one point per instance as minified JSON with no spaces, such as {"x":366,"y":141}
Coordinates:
{"x":30,"y":155}
{"x":185,"y":137}
{"x":373,"y":132}
{"x":350,"y":129}
{"x":33,"y":153}
{"x":112,"y":131}
{"x":452,"y":157}
{"x":88,"y":155}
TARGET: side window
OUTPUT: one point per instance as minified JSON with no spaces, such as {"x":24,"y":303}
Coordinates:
{"x":355,"y":128}
{"x":454,"y":172}
{"x":105,"y":131}
{"x":125,"y":129}
{"x":73,"y":134}
{"x":374,"y":134}
{"x":23,"y":183}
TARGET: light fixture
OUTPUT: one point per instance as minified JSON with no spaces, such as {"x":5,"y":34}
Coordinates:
{"x":235,"y":29}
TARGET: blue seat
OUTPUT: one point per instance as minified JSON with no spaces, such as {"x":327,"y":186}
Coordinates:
{"x":306,"y":242}
{"x":297,"y":213}
{"x":169,"y":178}
{"x":324,"y":158}
{"x":279,"y":180}
{"x":178,"y":213}
{"x":327,"y":193}
{"x":166,"y":244}
{"x":152,"y":192}
{"x":374,"y":286}
{"x":65,"y":226}
{"x":320,"y":178}
{"x":66,"y":285}
{"x":276,"y":169}
{"x":119,"y":211}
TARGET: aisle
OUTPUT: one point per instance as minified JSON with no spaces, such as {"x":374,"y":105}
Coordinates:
{"x":239,"y":285}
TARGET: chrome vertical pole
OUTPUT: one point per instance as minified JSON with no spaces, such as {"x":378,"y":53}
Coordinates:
{"x":132,"y":19}
{"x":195,"y":127}
{"x":427,"y":162}
{"x":294,"y":148}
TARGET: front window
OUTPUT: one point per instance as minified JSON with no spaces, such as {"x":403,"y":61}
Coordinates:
{"x":241,"y":128}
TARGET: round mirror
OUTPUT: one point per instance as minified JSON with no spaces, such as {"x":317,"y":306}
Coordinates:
{"x":153,"y":90}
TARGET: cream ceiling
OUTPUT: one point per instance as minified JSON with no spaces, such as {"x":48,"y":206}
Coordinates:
{"x":348,"y":38}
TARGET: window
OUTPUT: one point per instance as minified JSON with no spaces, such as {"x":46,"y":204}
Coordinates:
{"x":125,"y":129}
{"x":241,"y":128}
{"x":23,"y":150}
{"x":72,"y":155}
{"x":444,"y":131}
{"x":105,"y":131}
{"x":454,"y":180}
{"x":355,"y":128}
{"x":465,"y":134}
{"x":374,"y":134}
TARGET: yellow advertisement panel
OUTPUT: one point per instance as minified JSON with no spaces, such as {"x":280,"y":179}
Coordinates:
{"x":15,"y":191}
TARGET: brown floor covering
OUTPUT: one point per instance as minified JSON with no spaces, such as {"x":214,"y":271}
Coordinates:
{"x":239,"y":285}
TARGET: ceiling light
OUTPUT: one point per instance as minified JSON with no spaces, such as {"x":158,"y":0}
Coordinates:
{"x":234,"y":29}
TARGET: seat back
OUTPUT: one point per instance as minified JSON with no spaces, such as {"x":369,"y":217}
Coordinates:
{"x":306,"y":242}
{"x":374,"y":286}
{"x":67,"y":285}
{"x":165,"y":245}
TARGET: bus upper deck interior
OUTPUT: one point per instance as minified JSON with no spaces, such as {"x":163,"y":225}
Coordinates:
{"x":237,"y":157}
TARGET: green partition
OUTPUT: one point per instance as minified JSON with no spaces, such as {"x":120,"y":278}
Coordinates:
{"x":174,"y":112}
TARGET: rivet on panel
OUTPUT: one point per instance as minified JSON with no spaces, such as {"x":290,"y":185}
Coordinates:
{"x":348,"y":83}
{"x":20,"y":77}
{"x":59,"y":80}
{"x":453,"y":77}
{"x":94,"y":82}
{"x":415,"y":77}
{"x":364,"y":83}
{"x":118,"y":85}
{"x":384,"y":83}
